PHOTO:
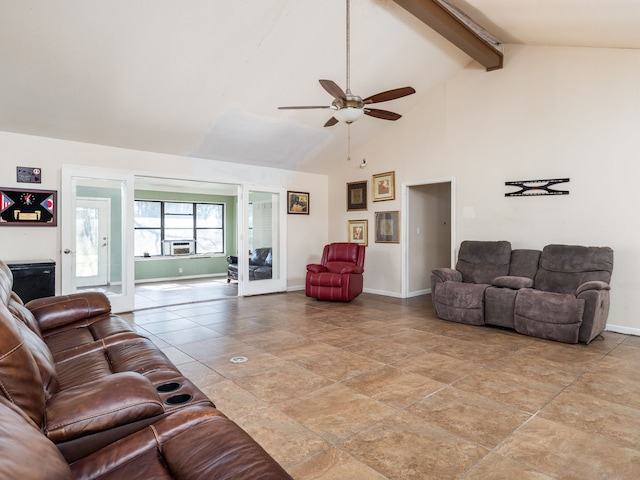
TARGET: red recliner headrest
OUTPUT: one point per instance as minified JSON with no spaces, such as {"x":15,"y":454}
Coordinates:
{"x":343,"y":252}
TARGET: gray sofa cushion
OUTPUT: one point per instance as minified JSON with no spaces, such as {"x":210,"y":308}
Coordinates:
{"x":524,"y":263}
{"x":512,"y":282}
{"x":555,"y":316}
{"x":481,"y":262}
{"x":499,"y":305}
{"x":460,"y":302}
{"x":563,"y":268}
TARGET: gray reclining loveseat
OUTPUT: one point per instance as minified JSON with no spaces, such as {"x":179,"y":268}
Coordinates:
{"x":560,"y":293}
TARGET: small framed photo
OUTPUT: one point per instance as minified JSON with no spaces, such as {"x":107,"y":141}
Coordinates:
{"x":384,"y":187}
{"x":358,"y":231}
{"x":357,"y":195}
{"x":387,"y":227}
{"x":298,"y":203}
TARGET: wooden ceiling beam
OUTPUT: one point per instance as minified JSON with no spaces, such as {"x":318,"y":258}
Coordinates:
{"x":440,"y":19}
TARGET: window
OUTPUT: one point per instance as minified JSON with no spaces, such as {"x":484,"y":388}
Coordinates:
{"x":156,"y":221}
{"x":148,"y":228}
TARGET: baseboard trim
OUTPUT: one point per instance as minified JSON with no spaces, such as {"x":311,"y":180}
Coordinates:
{"x":419,"y":293}
{"x":183,"y":277}
{"x":623,"y":329}
{"x":296,"y":288}
{"x":382,"y":292}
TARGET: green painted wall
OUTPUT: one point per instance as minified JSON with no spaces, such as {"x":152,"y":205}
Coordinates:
{"x":169,"y":267}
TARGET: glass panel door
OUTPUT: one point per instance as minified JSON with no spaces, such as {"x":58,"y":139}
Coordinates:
{"x":92,"y":242}
{"x":264,"y":266}
{"x":97,"y":234}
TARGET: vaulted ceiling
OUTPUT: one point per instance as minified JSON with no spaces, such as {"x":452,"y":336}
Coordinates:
{"x":204,"y":78}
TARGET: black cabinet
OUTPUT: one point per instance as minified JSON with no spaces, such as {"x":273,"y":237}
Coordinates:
{"x":34,"y":279}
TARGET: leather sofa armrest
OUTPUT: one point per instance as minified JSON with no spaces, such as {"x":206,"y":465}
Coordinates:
{"x":447,"y":274}
{"x":515,"y":283}
{"x":52,"y":312}
{"x":96,"y":406}
{"x":316,"y":268}
{"x":592,"y":285}
{"x":232,"y":259}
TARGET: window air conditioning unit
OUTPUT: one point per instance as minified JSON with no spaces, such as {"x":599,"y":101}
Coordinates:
{"x":179,"y":247}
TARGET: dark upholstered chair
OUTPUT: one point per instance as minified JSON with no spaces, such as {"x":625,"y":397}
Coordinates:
{"x":260,"y":265}
{"x":339,"y":274}
{"x":458,"y":295}
{"x":569,"y":301}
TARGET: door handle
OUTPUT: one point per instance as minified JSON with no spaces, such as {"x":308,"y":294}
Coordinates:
{"x":67,"y":251}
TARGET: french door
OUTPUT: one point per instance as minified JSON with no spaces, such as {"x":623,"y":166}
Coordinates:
{"x":263,"y":219}
{"x":97,"y":234}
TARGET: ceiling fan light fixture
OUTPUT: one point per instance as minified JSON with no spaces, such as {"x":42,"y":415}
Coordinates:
{"x":348,"y":114}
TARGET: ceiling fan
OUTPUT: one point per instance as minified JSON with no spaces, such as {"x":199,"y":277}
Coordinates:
{"x":348,"y":107}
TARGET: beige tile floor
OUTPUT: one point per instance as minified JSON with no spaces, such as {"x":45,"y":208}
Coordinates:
{"x":380,"y":388}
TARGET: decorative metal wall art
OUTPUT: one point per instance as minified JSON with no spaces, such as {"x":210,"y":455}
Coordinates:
{"x":529,"y":188}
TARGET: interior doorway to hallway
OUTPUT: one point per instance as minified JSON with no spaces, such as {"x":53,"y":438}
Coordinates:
{"x":429,"y":232}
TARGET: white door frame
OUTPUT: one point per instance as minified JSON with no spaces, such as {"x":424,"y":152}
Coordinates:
{"x":124,"y":301}
{"x":406,"y":227}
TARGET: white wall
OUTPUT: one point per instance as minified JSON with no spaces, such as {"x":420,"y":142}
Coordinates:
{"x":550,"y":113}
{"x":307,"y":234}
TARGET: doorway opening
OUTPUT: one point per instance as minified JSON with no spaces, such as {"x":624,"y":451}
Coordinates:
{"x":200,"y":215}
{"x":429,"y":233}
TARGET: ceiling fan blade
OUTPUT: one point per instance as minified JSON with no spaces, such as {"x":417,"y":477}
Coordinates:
{"x":383,"y":114}
{"x":303,"y":107}
{"x":331,"y":122}
{"x":334,"y":90}
{"x":390,"y":95}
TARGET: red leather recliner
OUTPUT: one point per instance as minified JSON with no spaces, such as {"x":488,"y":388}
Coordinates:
{"x":339,"y":275}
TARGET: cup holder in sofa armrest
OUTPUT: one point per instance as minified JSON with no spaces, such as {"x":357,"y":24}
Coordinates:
{"x":168,"y":387}
{"x":178,"y":399}
{"x":515,"y":283}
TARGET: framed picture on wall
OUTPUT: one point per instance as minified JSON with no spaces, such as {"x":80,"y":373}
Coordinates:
{"x":357,"y":195}
{"x":298,"y":203}
{"x":387,"y":227}
{"x":384,"y":186}
{"x":358,"y":232}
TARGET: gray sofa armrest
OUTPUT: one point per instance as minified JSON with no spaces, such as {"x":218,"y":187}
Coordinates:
{"x":592,"y":285}
{"x":447,"y":275}
{"x":596,"y":298}
{"x":515,"y":283}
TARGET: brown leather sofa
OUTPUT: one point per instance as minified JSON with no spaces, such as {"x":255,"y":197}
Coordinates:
{"x":79,"y":387}
{"x":560,"y":293}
